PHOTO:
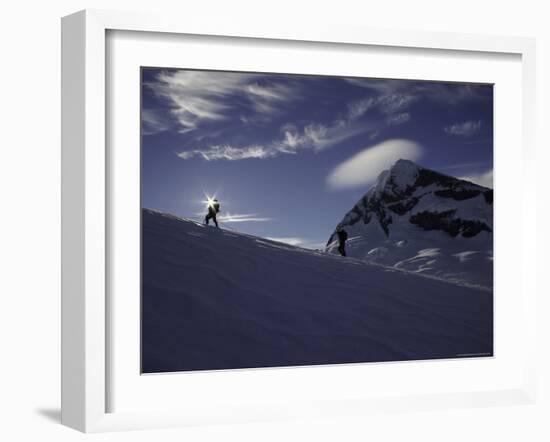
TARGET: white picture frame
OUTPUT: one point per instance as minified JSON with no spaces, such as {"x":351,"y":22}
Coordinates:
{"x":85,"y":209}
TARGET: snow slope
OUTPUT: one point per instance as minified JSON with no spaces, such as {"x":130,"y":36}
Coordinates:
{"x":420,"y":220}
{"x":218,"y":299}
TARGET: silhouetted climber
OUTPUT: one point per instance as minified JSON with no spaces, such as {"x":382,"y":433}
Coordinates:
{"x":213,"y":209}
{"x":342,"y":237}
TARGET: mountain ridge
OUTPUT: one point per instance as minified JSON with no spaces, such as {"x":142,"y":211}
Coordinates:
{"x":411,"y":208}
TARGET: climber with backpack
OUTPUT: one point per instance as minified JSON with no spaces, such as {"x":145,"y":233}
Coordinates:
{"x":213,"y":210}
{"x":342,"y":238}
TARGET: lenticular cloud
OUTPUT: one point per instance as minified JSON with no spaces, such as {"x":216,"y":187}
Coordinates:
{"x":363,"y":168}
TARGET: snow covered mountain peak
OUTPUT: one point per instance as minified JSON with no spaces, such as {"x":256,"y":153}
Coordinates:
{"x":401,"y":176}
{"x":411,"y":209}
{"x":405,"y":169}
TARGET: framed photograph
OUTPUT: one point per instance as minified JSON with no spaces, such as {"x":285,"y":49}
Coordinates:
{"x":294,"y":173}
{"x":264,"y":223}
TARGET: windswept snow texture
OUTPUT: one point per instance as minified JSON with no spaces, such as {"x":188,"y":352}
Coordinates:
{"x":218,"y":299}
{"x":420,"y":220}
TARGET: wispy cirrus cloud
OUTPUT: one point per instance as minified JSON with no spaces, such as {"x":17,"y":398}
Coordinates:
{"x":319,"y":136}
{"x":453,"y":94}
{"x":483,"y":179}
{"x":458,"y":166}
{"x":464,"y":129}
{"x":441,"y":92}
{"x":267,"y":98}
{"x":199,"y":96}
{"x":312,"y":136}
{"x":358,"y":108}
{"x":364,"y":167}
{"x":228,"y":152}
{"x":393,"y":98}
{"x":377,"y":85}
{"x":206,"y":99}
{"x":242,"y":218}
{"x":394,"y":120}
{"x":196,"y":96}
{"x":394,"y":103}
{"x":293,"y":241}
{"x":153,"y":122}
{"x":388,"y":105}
{"x":298,"y":242}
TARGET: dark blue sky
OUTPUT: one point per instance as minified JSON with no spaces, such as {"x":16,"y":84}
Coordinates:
{"x":289,"y":155}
